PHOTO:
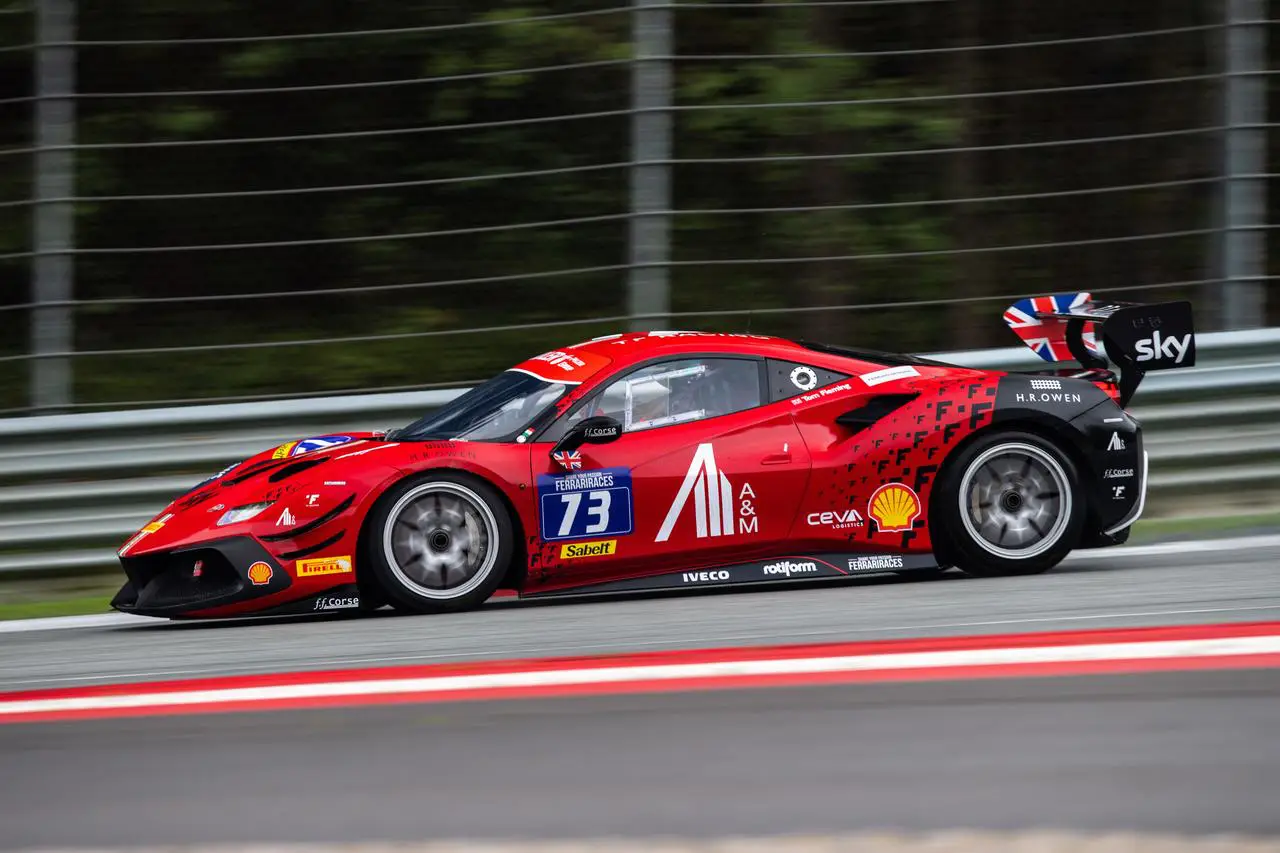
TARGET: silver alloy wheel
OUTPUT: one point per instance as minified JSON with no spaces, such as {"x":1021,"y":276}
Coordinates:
{"x":440,"y":540}
{"x":1015,"y":500}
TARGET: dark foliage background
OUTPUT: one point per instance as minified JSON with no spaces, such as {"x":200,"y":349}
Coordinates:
{"x":921,"y":249}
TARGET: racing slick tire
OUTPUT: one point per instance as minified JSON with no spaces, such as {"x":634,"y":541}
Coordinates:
{"x":440,"y":542}
{"x":1009,"y":503}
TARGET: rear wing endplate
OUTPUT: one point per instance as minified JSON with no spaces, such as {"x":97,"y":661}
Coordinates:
{"x":1137,"y":337}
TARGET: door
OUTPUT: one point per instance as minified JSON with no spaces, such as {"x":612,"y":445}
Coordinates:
{"x":705,"y":473}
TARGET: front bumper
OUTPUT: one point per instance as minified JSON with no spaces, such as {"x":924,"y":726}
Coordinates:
{"x":168,"y":583}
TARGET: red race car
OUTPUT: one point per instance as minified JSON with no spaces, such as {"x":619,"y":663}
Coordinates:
{"x":672,"y":460}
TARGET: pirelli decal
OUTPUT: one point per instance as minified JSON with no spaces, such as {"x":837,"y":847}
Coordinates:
{"x":324,"y":566}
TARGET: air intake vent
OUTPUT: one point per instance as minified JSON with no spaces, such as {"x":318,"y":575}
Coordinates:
{"x":312,"y":549}
{"x":874,"y":409}
{"x":253,"y":471}
{"x":296,"y":468}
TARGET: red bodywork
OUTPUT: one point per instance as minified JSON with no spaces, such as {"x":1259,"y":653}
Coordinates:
{"x":792,"y":472}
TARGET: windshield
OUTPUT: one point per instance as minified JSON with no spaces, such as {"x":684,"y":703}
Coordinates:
{"x":497,"y":409}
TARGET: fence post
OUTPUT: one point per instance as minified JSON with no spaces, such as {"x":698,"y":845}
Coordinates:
{"x":650,"y":226}
{"x":52,"y":269}
{"x":1244,"y":204}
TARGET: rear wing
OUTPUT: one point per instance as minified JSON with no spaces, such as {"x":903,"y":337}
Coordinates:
{"x":1136,"y":337}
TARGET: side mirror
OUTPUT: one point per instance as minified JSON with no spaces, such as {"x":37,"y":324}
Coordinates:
{"x":600,"y":429}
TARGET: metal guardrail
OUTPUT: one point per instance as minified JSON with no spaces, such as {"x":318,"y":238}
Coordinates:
{"x":73,"y":487}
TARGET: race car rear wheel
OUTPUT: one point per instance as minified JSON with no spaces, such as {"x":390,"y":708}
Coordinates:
{"x":1010,"y":504}
{"x":440,"y":542}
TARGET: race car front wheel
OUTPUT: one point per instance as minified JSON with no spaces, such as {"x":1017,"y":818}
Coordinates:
{"x":439,"y":542}
{"x":1010,"y":504}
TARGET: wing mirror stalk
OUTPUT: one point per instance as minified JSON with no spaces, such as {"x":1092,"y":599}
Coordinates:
{"x":600,"y":429}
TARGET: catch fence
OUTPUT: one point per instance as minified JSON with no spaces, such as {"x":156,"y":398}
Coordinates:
{"x":233,"y":205}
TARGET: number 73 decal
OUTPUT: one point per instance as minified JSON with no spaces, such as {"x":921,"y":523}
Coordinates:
{"x":585,"y":503}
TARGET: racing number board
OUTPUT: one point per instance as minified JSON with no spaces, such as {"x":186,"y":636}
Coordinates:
{"x":584,"y":504}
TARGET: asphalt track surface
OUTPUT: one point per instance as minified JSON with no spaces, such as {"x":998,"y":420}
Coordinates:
{"x":1179,"y":751}
{"x":1099,"y":589}
{"x":1186,"y":752}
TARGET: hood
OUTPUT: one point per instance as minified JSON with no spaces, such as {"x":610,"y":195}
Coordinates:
{"x":288,"y":485}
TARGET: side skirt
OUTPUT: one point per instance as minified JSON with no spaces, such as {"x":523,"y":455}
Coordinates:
{"x":774,"y":570}
{"x":345,"y":597}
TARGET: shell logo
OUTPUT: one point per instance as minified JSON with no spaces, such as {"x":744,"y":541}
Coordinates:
{"x":894,"y":506}
{"x":260,"y":574}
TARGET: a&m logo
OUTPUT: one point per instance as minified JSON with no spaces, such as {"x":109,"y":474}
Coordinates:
{"x":713,"y":500}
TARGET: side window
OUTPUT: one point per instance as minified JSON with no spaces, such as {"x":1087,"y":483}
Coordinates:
{"x":674,"y":392}
{"x":788,"y":379}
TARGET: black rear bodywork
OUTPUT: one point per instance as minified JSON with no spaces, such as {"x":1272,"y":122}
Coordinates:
{"x":1105,"y":441}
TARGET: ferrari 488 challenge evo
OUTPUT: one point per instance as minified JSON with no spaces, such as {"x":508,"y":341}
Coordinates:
{"x":671,"y":460}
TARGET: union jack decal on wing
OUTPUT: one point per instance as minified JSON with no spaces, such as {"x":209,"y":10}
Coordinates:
{"x":1045,"y":335}
{"x":568,"y":460}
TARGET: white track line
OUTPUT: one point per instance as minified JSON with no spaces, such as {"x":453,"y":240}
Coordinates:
{"x":895,"y":841}
{"x":1243,"y":543}
{"x":751,"y":641}
{"x":1240,"y":543}
{"x":62,"y":623}
{"x":961,"y":658}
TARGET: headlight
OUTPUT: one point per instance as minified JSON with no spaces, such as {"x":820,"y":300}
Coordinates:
{"x":242,"y":513}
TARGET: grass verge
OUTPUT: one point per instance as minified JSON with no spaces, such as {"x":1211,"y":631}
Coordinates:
{"x":33,"y":598}
{"x":1174,"y":528}
{"x":54,"y":607}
